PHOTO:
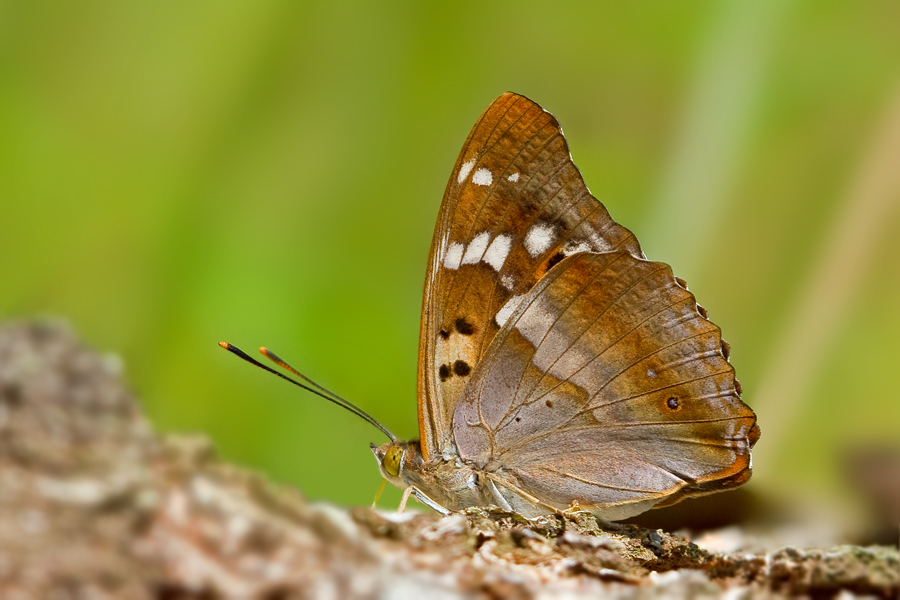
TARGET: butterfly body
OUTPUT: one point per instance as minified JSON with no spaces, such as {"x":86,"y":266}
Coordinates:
{"x":450,"y":484}
{"x":557,"y":365}
{"x":454,"y":485}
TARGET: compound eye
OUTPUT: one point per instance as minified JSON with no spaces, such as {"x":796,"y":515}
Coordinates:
{"x":391,"y":460}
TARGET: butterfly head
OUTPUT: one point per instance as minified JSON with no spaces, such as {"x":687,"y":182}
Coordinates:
{"x":395,"y":459}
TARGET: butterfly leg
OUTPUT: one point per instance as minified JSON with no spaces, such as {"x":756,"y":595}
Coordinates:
{"x":520,"y":492}
{"x":573,"y":507}
{"x":405,"y":497}
{"x":423,"y":498}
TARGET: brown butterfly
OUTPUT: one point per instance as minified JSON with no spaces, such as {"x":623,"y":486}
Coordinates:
{"x":557,"y":366}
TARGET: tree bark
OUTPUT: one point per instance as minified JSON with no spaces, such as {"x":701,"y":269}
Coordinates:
{"x":95,"y":504}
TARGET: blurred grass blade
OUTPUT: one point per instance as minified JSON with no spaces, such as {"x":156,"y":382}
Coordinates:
{"x":860,"y":223}
{"x":711,"y":136}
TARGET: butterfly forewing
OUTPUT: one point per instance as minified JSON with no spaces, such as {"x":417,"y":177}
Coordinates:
{"x":607,"y":386}
{"x":514,"y":207}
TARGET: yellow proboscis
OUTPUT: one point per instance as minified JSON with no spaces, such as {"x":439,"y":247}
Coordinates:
{"x":378,"y":493}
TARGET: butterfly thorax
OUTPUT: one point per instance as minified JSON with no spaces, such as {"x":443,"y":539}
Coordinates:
{"x":451,"y":483}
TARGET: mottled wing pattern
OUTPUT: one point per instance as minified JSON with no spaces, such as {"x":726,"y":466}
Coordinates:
{"x":608,"y":386}
{"x":514,"y":207}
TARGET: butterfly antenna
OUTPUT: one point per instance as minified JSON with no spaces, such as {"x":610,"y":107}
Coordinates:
{"x":284,"y":365}
{"x":318,"y":390}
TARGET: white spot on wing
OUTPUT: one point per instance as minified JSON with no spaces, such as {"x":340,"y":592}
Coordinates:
{"x":537,"y":320}
{"x":573,"y":247}
{"x":508,"y":281}
{"x":454,"y":255}
{"x":504,"y":313}
{"x":476,"y":248}
{"x":482,"y":177}
{"x":514,"y":177}
{"x":539,"y":238}
{"x":464,"y":170}
{"x":599,"y":244}
{"x":651,"y":373}
{"x":497,"y":252}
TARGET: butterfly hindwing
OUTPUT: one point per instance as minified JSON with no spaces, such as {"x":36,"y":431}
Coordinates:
{"x":608,"y":386}
{"x":514,"y":207}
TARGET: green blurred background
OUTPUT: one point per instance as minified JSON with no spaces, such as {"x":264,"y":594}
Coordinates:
{"x":177,"y":173}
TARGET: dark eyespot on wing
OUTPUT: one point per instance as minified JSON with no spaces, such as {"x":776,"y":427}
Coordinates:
{"x":548,"y":403}
{"x":461,"y":368}
{"x":554,"y":260}
{"x":672,"y":402}
{"x":444,"y":372}
{"x":444,"y":333}
{"x":464,"y":327}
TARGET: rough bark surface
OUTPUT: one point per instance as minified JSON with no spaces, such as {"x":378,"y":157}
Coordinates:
{"x":94,"y":504}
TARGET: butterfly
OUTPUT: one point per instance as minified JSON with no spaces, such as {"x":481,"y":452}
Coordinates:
{"x":558,"y":367}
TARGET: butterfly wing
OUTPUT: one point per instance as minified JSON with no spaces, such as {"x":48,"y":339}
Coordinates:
{"x":607,"y":386}
{"x":515,"y":206}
